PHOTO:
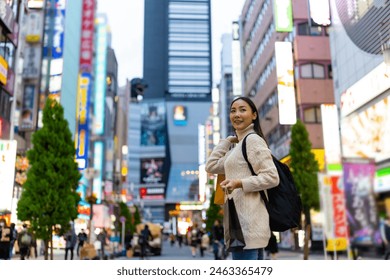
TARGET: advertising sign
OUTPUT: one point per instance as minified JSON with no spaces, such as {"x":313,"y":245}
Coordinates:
{"x":366,"y":134}
{"x":7,"y":172}
{"x":283,"y":15}
{"x":31,"y":62}
{"x":152,"y":170}
{"x":87,"y":31}
{"x":319,"y":12}
{"x":360,"y":202}
{"x":332,"y":143}
{"x":285,"y":75}
{"x":153,"y":124}
{"x":98,"y":167}
{"x":100,"y":75}
{"x":180,"y":115}
{"x":82,"y":117}
{"x":3,"y":70}
{"x":27,"y":116}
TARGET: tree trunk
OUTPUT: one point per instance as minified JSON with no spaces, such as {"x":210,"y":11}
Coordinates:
{"x":307,"y":235}
{"x":46,"y":242}
{"x":307,"y":240}
{"x":51,"y":243}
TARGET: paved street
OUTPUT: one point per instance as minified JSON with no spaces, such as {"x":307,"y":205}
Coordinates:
{"x":184,"y":253}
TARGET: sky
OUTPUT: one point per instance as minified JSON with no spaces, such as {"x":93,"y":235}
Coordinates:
{"x":125,"y":18}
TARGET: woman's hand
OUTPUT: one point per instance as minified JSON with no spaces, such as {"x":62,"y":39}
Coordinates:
{"x":232,"y":139}
{"x":231,"y":185}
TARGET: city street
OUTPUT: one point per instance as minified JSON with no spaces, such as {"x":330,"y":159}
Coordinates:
{"x":184,"y":253}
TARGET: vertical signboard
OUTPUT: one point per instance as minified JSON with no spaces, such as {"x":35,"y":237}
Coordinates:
{"x":319,"y":12}
{"x":332,"y":144}
{"x":98,"y":166}
{"x":285,"y":76}
{"x":100,"y":75}
{"x":28,"y":115}
{"x":87,"y":31}
{"x":236,"y":60}
{"x":7,"y":172}
{"x":283,"y":15}
{"x":360,"y":202}
{"x":333,"y":207}
{"x":84,"y":83}
{"x":82,"y":108}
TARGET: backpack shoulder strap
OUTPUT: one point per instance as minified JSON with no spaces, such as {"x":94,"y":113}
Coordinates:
{"x":244,"y":153}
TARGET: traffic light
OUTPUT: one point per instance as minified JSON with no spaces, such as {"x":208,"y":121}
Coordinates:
{"x":142,"y":192}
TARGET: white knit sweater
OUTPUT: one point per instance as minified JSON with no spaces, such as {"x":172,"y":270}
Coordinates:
{"x":250,"y":207}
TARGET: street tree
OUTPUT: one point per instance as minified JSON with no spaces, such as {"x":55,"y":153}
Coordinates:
{"x":304,"y":168}
{"x":49,"y":199}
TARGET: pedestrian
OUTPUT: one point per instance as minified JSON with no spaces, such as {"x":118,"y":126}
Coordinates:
{"x":240,"y":185}
{"x":385,"y":234}
{"x":5,"y":240}
{"x":218,"y":240}
{"x":70,"y":242}
{"x":81,"y":237}
{"x":179,"y":238}
{"x":204,"y":242}
{"x":272,"y":247}
{"x":13,"y":238}
{"x":24,"y":242}
{"x":101,"y":237}
{"x":143,"y":240}
{"x":194,"y":240}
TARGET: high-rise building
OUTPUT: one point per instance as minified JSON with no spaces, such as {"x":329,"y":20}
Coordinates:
{"x":177,"y":69}
{"x":275,"y":39}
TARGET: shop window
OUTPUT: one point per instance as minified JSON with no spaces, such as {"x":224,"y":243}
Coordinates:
{"x":305,"y":30}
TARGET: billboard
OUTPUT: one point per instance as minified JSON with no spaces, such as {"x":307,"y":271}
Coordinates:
{"x":152,"y":170}
{"x":180,"y":115}
{"x":27,"y":120}
{"x":366,"y":134}
{"x":285,"y":75}
{"x":153,"y":132}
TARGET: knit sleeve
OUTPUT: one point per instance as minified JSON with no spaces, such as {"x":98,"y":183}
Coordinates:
{"x":216,"y":160}
{"x":260,"y":158}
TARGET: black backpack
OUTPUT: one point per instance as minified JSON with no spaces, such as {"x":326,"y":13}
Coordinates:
{"x":284,"y":204}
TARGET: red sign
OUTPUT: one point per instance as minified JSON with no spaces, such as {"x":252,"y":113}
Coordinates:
{"x":339,"y":215}
{"x":87,"y":31}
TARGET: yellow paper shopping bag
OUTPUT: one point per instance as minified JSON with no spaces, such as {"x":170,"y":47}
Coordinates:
{"x":219,"y":197}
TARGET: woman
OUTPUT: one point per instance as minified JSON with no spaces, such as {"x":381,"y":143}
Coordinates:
{"x":242,"y":187}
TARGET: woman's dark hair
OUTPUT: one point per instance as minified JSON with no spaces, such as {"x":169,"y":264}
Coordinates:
{"x":256,"y":122}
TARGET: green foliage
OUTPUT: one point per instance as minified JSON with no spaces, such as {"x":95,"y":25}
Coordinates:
{"x":213,"y":213}
{"x":137,"y":216}
{"x":125,"y":212}
{"x":49,"y":199}
{"x":304,"y":167}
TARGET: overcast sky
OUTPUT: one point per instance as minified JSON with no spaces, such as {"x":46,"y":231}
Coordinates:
{"x":125,"y":18}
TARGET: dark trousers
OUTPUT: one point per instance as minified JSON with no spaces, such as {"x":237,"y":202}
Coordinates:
{"x":24,"y":252}
{"x":80,"y":245}
{"x":71,"y":253}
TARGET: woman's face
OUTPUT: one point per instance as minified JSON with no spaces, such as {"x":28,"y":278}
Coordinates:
{"x":241,"y":115}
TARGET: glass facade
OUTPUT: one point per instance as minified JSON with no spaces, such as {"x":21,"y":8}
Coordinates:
{"x":189,"y":52}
